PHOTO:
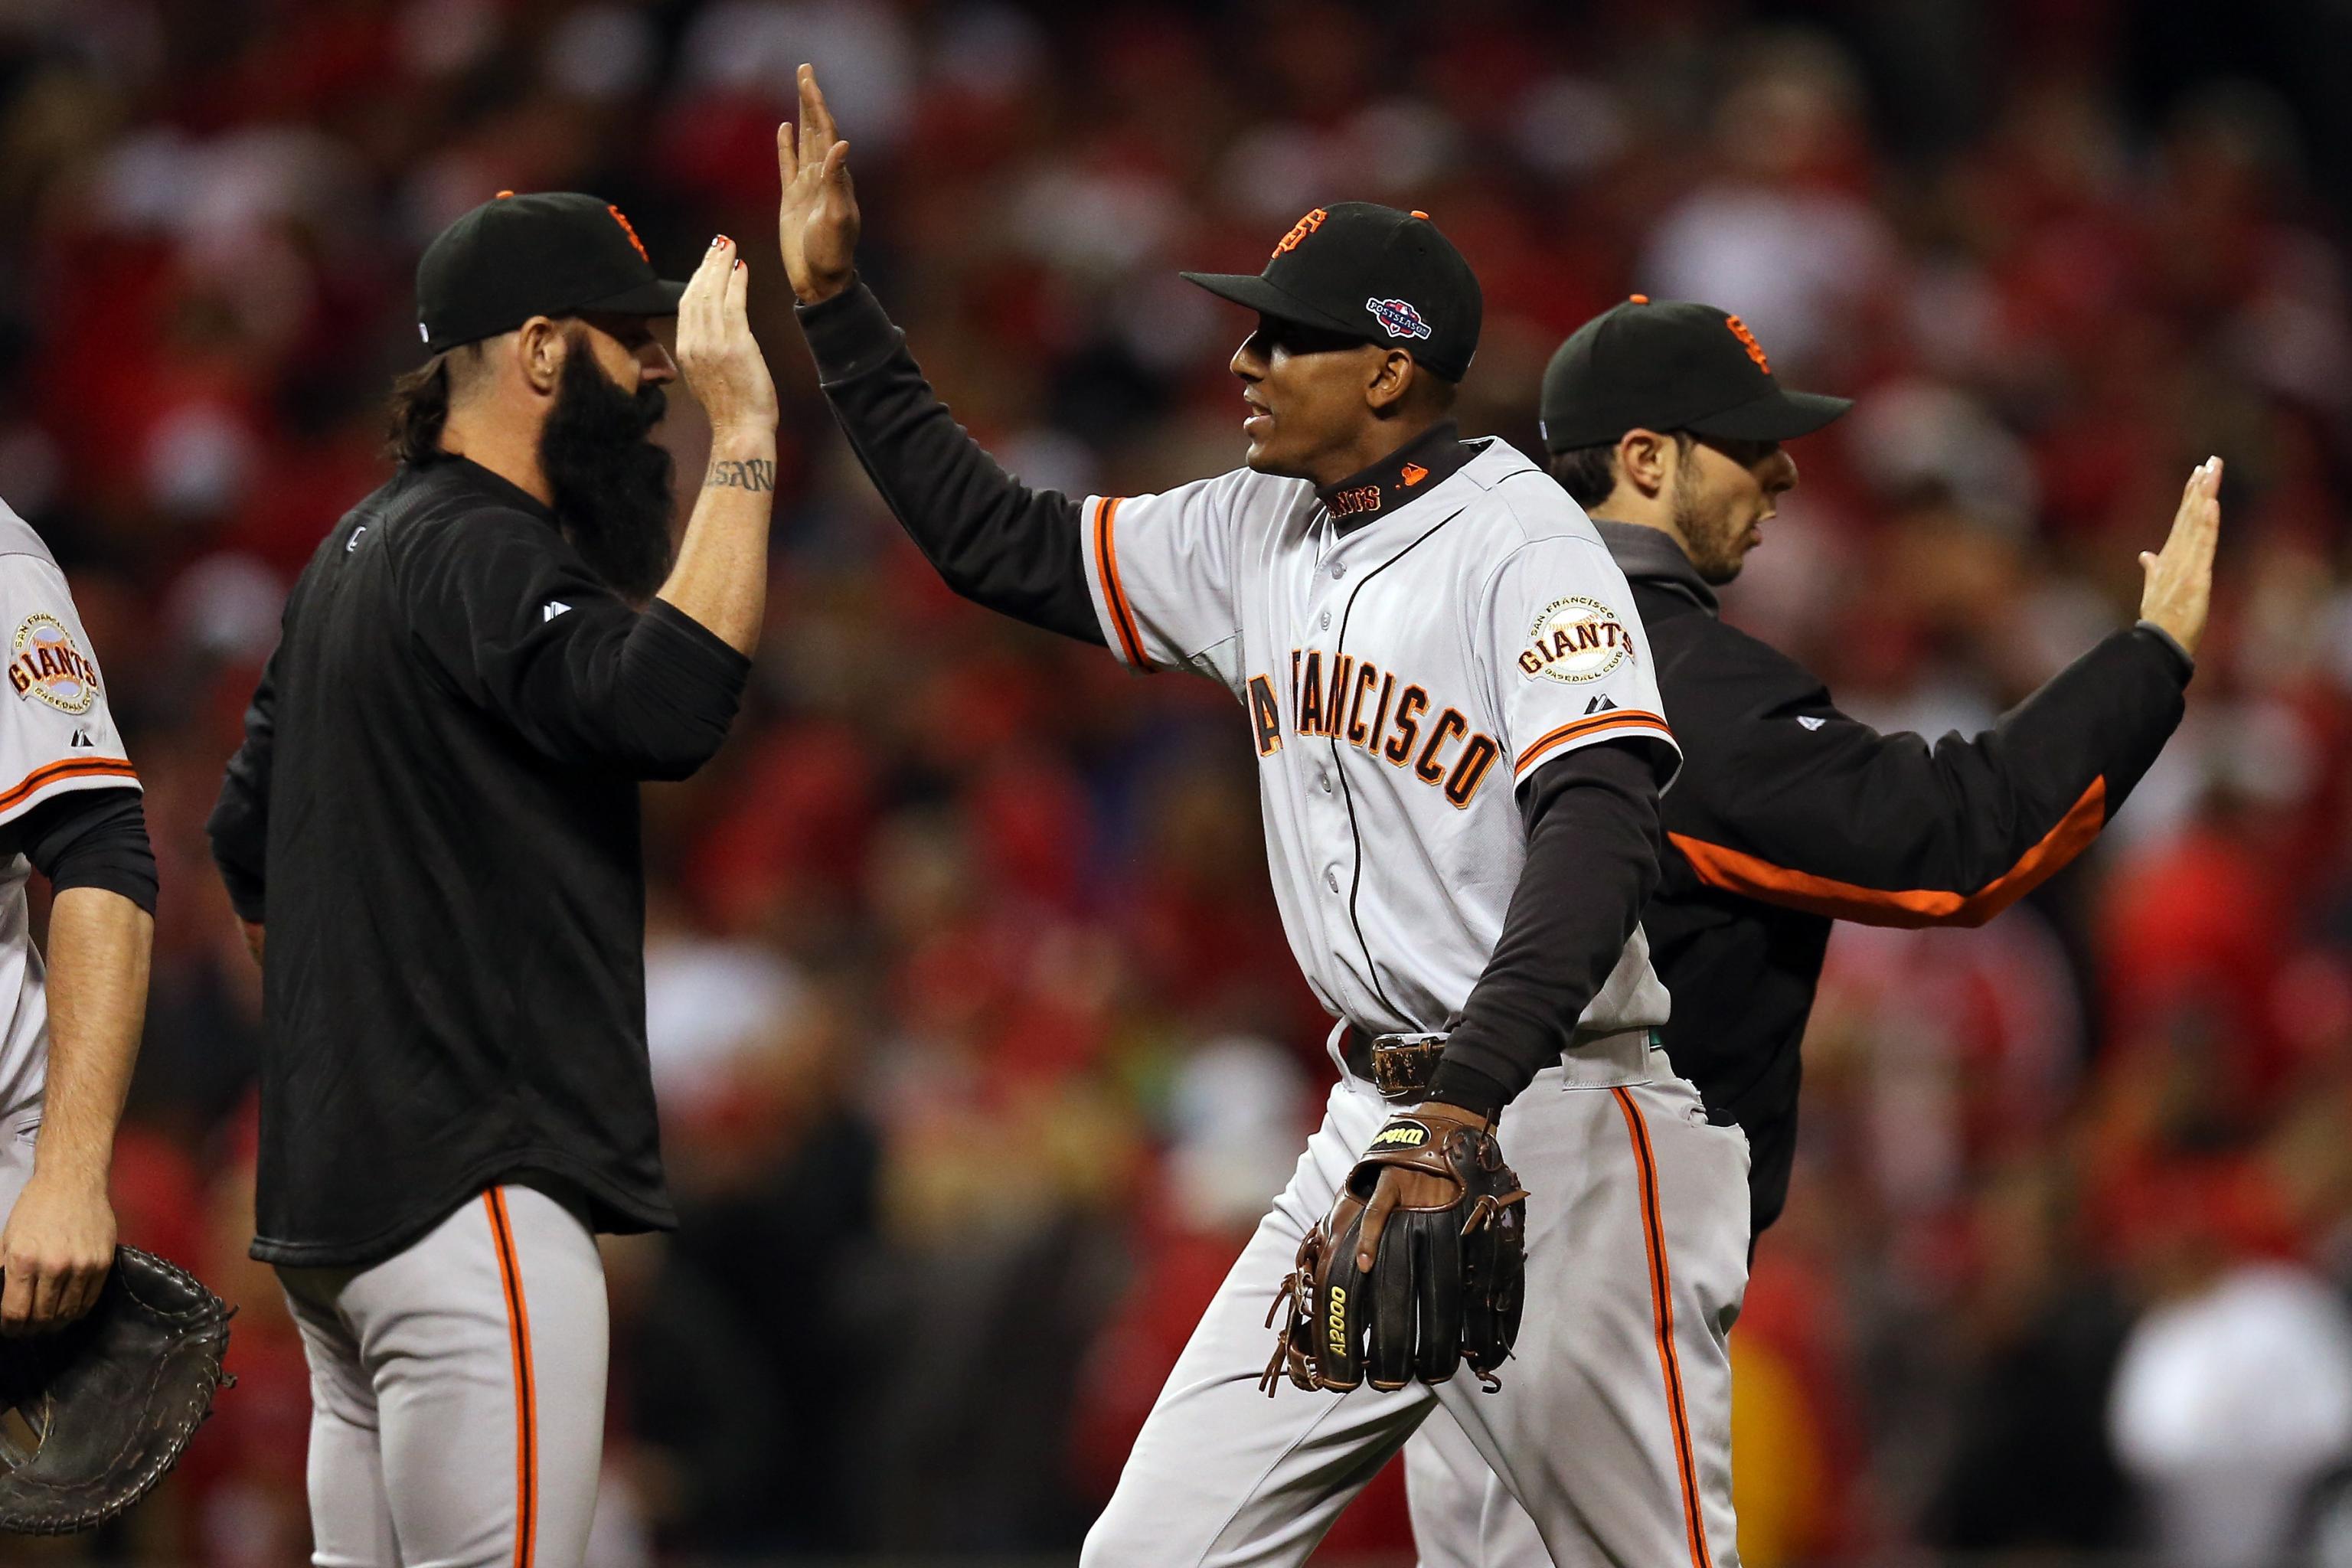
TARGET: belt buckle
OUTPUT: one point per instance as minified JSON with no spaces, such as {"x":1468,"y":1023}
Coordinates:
{"x":1402,"y":1064}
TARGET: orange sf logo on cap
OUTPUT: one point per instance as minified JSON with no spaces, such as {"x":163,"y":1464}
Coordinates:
{"x":1300,"y":230}
{"x":1748,"y":341}
{"x":626,"y":227}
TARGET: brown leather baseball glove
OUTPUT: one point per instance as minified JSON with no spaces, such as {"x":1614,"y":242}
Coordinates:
{"x":1447,"y":1280}
{"x":107,"y":1402}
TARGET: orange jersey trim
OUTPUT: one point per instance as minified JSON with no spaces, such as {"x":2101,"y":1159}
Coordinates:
{"x":1755,"y":877}
{"x":40,"y":778}
{"x":525,"y":1392}
{"x":1581,"y":729}
{"x":1662,"y":1319}
{"x":1122,"y":616}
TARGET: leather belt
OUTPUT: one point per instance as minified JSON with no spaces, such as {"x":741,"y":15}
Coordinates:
{"x":1400,"y":1066}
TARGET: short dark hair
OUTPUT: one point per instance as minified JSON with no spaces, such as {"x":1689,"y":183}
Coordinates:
{"x":420,"y":406}
{"x":1589,"y":473}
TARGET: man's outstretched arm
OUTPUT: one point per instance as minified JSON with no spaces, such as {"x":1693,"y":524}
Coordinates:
{"x":992,"y":539}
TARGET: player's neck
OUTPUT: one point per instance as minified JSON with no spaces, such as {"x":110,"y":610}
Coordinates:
{"x":1628,"y":506}
{"x":1373,"y":444}
{"x":497,"y":444}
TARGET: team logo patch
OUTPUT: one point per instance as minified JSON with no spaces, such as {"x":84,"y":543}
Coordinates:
{"x":1748,"y":341}
{"x":631,"y":230}
{"x":1397,"y":318}
{"x":1299,"y":231}
{"x":1574,"y":640}
{"x":46,"y":665}
{"x":1401,"y":1135}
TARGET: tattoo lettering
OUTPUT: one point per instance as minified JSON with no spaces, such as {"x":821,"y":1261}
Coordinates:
{"x":758,"y":474}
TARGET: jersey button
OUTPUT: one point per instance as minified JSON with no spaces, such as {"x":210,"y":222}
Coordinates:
{"x":1332,"y":880}
{"x":1338,"y":571}
{"x":1327,"y":620}
{"x":1325,"y":780}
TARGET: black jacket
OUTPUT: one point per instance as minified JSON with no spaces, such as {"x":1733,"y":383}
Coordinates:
{"x":435,"y":813}
{"x":1788,"y":815}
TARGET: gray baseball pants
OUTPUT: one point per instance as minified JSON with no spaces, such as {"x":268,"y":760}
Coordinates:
{"x":457,"y":1391}
{"x":1612,"y":1430}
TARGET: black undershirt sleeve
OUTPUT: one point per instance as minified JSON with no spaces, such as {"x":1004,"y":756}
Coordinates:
{"x":89,"y":838}
{"x":992,"y":539}
{"x":1592,"y":866}
{"x":518,"y":623}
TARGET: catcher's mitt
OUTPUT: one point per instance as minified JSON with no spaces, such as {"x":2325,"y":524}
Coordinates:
{"x":1446,"y":1288}
{"x":111,"y":1399}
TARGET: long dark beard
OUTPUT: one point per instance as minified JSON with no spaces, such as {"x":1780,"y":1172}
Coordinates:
{"x":611,"y":481}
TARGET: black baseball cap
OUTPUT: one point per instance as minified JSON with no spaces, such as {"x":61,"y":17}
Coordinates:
{"x":1370,"y":273}
{"x":1669,"y":365}
{"x":545,"y":253}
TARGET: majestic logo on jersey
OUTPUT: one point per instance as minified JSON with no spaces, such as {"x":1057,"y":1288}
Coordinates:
{"x":1574,"y":640}
{"x":47,"y":665}
{"x":1397,"y":318}
{"x":1299,"y":231}
{"x":1370,"y":709}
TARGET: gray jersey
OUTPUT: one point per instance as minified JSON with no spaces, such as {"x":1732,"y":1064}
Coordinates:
{"x":1400,"y":675}
{"x":56,"y":735}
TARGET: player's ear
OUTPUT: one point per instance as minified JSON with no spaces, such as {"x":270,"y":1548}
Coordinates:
{"x":1645,"y":460}
{"x":1392,"y":376}
{"x":540,"y":346}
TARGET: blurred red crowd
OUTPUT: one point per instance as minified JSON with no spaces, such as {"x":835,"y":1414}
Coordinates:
{"x":979,"y":1041}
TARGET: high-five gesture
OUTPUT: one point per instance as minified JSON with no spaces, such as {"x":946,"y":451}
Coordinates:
{"x":816,"y":223}
{"x":2180,"y":586}
{"x":716,"y":352}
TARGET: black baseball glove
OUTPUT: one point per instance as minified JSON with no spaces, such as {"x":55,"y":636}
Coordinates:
{"x":1446,"y":1286}
{"x":108,"y":1400}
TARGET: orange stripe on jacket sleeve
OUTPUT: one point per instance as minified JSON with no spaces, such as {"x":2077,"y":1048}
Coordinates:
{"x":1584,"y":729}
{"x":526,"y":1388}
{"x":1756,"y":878}
{"x":41,"y":778}
{"x":1122,"y":616}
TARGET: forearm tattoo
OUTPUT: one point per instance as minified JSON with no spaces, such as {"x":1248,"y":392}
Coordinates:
{"x":755,"y":474}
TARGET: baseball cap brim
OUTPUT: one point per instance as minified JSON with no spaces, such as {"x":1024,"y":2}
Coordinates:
{"x":1778,"y":416}
{"x":658,"y":297}
{"x":1248,"y":290}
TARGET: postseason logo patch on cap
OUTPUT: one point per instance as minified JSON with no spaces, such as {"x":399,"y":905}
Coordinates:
{"x":1398,"y":317}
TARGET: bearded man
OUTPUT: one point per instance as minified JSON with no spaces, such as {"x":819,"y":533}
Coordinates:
{"x":434,"y":819}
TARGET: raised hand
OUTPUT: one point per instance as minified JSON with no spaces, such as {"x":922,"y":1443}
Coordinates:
{"x":816,"y":223}
{"x":716,"y":352}
{"x":2180,"y":586}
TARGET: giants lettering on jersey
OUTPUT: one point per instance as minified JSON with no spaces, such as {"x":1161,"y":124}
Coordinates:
{"x":1357,"y":702}
{"x":49,"y":666}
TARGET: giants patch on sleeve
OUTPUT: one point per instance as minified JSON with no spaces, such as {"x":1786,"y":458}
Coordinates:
{"x":1574,"y":640}
{"x":45,"y":664}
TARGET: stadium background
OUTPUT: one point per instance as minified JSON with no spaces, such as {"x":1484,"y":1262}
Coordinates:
{"x":977,"y":1041}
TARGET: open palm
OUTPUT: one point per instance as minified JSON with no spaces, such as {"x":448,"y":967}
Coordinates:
{"x":816,"y":222}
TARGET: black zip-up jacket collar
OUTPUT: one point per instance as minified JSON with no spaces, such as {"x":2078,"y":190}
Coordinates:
{"x":1651,"y":555}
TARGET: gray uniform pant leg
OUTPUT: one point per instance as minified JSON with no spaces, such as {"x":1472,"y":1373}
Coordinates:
{"x":18,"y":1130}
{"x":1611,"y":1433}
{"x":1464,"y":1516}
{"x":457,"y":1391}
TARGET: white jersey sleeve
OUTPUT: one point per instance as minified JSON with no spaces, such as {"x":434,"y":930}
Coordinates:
{"x":56,"y":733}
{"x":1160,"y":569}
{"x":1569,"y":660}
